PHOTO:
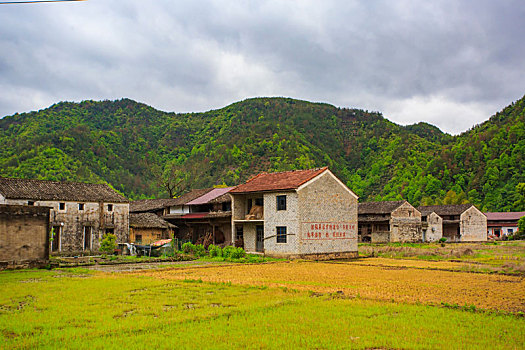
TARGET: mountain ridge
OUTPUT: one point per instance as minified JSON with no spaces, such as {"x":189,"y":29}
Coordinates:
{"x":137,"y":149}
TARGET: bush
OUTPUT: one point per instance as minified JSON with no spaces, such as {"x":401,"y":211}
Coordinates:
{"x":214,"y":251}
{"x":199,"y":250}
{"x":109,"y":243}
{"x":442,"y":240}
{"x":233,"y":252}
{"x":188,"y":248}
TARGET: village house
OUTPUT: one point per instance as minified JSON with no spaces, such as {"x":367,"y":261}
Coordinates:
{"x":461,"y":222}
{"x":202,"y":216}
{"x":146,"y":228}
{"x":500,"y":225}
{"x":24,"y":236}
{"x":295,"y":214}
{"x":80,"y":213}
{"x":389,"y":221}
{"x":431,"y":226}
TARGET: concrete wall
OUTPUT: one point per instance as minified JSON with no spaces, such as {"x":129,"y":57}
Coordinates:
{"x":24,"y":235}
{"x":405,"y":224}
{"x":473,"y":225}
{"x":434,"y":228}
{"x":327,"y":218}
{"x":73,"y":222}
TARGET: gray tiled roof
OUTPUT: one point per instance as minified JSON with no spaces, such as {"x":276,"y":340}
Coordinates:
{"x":144,"y":205}
{"x":450,"y":209}
{"x":385,"y":207}
{"x":58,"y":191}
{"x":148,"y":220}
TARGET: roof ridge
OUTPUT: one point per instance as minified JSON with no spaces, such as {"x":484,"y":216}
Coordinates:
{"x":53,"y":181}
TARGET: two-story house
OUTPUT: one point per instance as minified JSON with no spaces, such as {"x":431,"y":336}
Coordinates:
{"x":302,"y":213}
{"x":81,"y":213}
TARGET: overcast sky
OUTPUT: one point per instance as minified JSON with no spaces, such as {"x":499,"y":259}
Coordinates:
{"x":450,"y":63}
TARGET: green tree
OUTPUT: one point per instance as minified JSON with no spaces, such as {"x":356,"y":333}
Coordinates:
{"x":109,"y":243}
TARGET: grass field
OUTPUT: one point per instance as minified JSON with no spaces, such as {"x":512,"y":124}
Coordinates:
{"x":366,"y":303}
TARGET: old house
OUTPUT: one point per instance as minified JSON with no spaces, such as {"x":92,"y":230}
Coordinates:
{"x":500,"y":225}
{"x":80,"y":213}
{"x":24,"y":236}
{"x":461,"y":222}
{"x":202,"y":216}
{"x":302,"y":213}
{"x":431,"y":226}
{"x":146,"y":228}
{"x":389,"y":221}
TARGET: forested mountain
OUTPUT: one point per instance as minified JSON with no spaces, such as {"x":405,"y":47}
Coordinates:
{"x":143,"y":152}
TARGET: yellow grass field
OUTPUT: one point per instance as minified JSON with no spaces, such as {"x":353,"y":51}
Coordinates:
{"x":404,"y":281}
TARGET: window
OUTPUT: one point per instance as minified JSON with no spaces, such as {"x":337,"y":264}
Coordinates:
{"x":259,"y":202}
{"x":510,"y":231}
{"x":239,"y":233}
{"x":138,"y":239}
{"x":281,"y":234}
{"x":110,"y":207}
{"x":61,"y":206}
{"x":281,"y":202}
{"x":110,"y":230}
{"x":227,"y":206}
{"x":30,"y":203}
{"x":80,"y":206}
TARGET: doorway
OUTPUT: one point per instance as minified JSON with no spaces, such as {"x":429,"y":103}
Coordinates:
{"x":55,"y":243}
{"x":87,"y":237}
{"x":259,"y":242}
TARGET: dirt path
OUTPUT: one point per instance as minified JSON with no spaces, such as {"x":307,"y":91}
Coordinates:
{"x":150,"y":266}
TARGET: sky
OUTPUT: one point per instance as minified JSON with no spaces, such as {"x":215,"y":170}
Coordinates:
{"x":452,"y":64}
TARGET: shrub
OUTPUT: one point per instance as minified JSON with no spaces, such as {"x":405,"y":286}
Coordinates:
{"x":199,"y":250}
{"x":188,"y":248}
{"x":109,"y":243}
{"x":214,"y":251}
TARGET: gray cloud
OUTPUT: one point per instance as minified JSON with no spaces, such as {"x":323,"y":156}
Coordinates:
{"x":451,"y":63}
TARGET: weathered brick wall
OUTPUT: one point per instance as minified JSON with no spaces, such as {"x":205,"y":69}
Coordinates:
{"x":473,"y":226}
{"x":327,"y":216}
{"x":434,"y":228}
{"x":24,"y":235}
{"x":72,"y":221}
{"x":405,"y":224}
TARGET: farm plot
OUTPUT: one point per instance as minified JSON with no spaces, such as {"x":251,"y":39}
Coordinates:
{"x":279,"y":305}
{"x":375,"y":279}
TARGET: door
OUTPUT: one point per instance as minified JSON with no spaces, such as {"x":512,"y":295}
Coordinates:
{"x":55,"y":243}
{"x":87,"y":237}
{"x":259,"y":242}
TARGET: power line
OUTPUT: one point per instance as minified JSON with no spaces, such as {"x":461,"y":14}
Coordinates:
{"x":33,"y":2}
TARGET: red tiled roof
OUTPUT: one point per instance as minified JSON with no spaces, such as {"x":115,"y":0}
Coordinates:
{"x":510,"y":216}
{"x":287,"y":180}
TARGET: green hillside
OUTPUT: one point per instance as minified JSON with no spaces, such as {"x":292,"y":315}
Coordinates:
{"x":141,"y":151}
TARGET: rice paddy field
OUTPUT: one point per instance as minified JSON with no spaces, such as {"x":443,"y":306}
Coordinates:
{"x":385,"y":303}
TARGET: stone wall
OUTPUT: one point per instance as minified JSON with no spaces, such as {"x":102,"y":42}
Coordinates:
{"x":433,"y":229}
{"x":473,"y":226}
{"x":287,"y":218}
{"x":405,"y":224}
{"x":327,"y":216}
{"x":71,"y":223}
{"x":24,"y":236}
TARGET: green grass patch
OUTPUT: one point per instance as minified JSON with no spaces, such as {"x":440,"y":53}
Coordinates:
{"x":79,"y":309}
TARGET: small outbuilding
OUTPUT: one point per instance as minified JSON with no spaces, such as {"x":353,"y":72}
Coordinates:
{"x":146,"y":228}
{"x":500,"y":225}
{"x":389,"y":221}
{"x":296,"y":214}
{"x":461,"y":222}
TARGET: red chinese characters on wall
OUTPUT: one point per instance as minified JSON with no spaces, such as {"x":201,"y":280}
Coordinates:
{"x":329,"y":230}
